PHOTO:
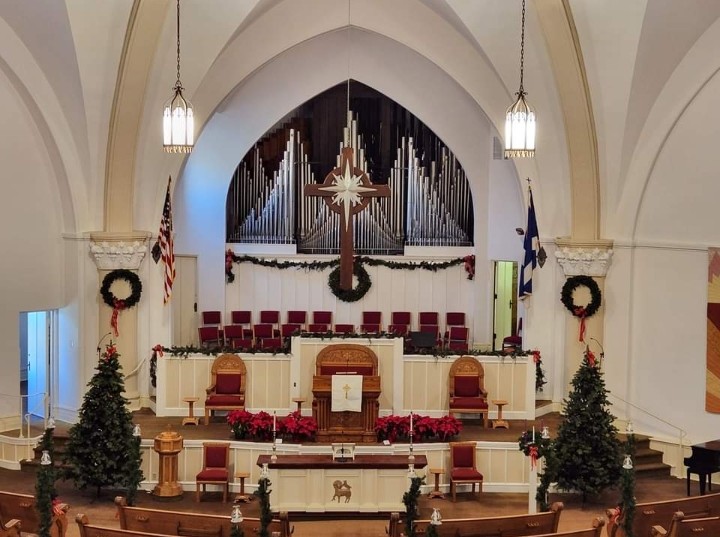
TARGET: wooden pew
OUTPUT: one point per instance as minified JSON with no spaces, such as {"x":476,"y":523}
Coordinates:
{"x":10,"y":529}
{"x":683,"y":527}
{"x":141,"y":520}
{"x":22,"y":507}
{"x":514,"y":525}
{"x":661,"y":514}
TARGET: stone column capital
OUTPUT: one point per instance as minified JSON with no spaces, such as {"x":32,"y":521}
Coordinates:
{"x":586,"y":258}
{"x":119,"y":251}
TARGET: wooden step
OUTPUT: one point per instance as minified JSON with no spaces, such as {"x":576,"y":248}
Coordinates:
{"x":653,"y":469}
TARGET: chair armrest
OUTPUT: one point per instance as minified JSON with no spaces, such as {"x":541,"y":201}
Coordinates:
{"x":210,"y":390}
{"x":483,"y":392}
{"x":658,"y":531}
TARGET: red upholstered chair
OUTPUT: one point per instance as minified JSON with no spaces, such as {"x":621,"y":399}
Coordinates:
{"x":372,"y":328}
{"x":428,"y":317}
{"x":322,"y":317}
{"x":288,"y":329}
{"x":458,"y":338}
{"x":262,"y":331}
{"x":432,"y":329}
{"x":401,"y":317}
{"x":245,"y":344}
{"x":512,"y":344}
{"x":215,"y":468}
{"x":400,"y":330}
{"x":212,"y":318}
{"x":233,"y":332}
{"x":371,"y":318}
{"x":270,"y":317}
{"x":227,"y":388}
{"x":270,"y":343}
{"x":466,"y":386}
{"x":453,"y":318}
{"x":344,"y":328}
{"x":210,"y":336}
{"x":462,"y":466}
{"x":318,"y":327}
{"x":297,"y":317}
{"x":244,"y":318}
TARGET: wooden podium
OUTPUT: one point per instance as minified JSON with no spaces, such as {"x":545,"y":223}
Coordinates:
{"x":346,"y":426}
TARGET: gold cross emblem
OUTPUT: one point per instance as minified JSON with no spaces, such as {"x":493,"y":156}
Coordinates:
{"x":347,"y":389}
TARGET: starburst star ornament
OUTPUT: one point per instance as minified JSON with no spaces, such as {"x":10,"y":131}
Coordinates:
{"x":348,"y":190}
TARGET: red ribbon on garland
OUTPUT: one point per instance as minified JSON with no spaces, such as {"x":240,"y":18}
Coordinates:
{"x":58,"y":507}
{"x":580,"y":312}
{"x":536,"y":356}
{"x":158,"y":349}
{"x":118,"y":306}
{"x":615,"y":513}
{"x":469,"y":261}
{"x":533,"y":457}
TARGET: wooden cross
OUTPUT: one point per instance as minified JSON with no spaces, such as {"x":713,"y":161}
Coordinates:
{"x":347,"y":190}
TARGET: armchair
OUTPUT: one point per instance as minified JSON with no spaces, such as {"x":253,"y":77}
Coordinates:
{"x":466,"y":386}
{"x":227,"y":391}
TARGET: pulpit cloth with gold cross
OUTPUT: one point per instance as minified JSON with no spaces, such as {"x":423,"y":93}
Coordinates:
{"x":346,"y":393}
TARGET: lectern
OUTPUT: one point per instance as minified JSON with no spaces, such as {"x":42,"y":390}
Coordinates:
{"x":346,"y":426}
{"x":168,"y":445}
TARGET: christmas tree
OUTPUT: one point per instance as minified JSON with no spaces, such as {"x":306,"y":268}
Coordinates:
{"x":587,"y":450}
{"x":101,"y":449}
{"x":45,"y":492}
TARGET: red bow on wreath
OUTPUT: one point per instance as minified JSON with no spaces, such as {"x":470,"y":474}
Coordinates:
{"x":469,"y":261}
{"x":580,"y":312}
{"x":533,"y":457}
{"x":118,"y":306}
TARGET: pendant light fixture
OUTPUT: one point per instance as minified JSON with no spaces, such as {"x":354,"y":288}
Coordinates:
{"x":178,"y":121}
{"x":520,"y":117}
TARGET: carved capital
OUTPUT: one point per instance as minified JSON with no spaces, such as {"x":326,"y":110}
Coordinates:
{"x":118,"y":255}
{"x":584,"y":261}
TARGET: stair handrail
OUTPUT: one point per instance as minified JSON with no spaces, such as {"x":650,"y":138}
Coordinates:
{"x":22,"y":418}
{"x":682,"y":433}
{"x":30,"y":412}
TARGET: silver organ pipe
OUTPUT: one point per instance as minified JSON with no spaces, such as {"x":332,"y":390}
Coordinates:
{"x":428,"y":205}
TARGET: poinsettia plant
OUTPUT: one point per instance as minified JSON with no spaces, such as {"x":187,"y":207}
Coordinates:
{"x":297,"y":427}
{"x":394,"y":428}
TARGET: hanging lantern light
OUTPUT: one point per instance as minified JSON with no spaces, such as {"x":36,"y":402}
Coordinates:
{"x":629,"y":427}
{"x":520,"y":117}
{"x":264,"y":472}
{"x":136,"y":431}
{"x":436,"y":518}
{"x":545,"y":435}
{"x":45,"y":458}
{"x":178,"y":120}
{"x":411,"y":471}
{"x":236,"y":516}
{"x":627,"y":463}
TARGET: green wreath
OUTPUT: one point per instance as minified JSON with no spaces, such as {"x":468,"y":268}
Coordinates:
{"x":135,"y":289}
{"x":566,"y":296}
{"x":351,"y":295}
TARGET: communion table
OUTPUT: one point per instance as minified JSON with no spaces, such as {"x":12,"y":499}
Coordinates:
{"x":318,"y":484}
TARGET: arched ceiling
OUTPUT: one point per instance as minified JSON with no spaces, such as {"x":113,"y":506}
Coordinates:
{"x":631,"y":51}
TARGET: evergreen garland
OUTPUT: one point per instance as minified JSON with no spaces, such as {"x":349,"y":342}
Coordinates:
{"x":263,"y":494}
{"x":410,"y":499}
{"x":587,"y":448}
{"x":133,"y":472}
{"x":431,"y":531}
{"x":236,"y":530}
{"x":350,"y":295}
{"x":45,"y":492}
{"x":101,"y":448}
{"x":627,"y":488}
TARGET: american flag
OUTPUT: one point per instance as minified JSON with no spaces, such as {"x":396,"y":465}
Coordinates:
{"x":164,"y":246}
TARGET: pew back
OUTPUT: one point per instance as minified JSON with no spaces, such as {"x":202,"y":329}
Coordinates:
{"x":506,"y":526}
{"x":709,"y":526}
{"x":661,"y":514}
{"x":143,"y":520}
{"x":10,"y":528}
{"x":22,"y":507}
{"x":594,"y":531}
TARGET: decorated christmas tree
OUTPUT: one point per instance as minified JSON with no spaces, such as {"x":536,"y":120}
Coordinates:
{"x":101,"y":449}
{"x":587,"y":450}
{"x":45,"y":492}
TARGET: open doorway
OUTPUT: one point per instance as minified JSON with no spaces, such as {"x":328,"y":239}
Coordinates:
{"x":505,"y":302}
{"x":37,"y":341}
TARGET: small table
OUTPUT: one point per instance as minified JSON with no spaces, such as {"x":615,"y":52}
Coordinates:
{"x":436,"y":493}
{"x":500,"y":422}
{"x":242,"y":497}
{"x":191,"y":419}
{"x":299,"y":401}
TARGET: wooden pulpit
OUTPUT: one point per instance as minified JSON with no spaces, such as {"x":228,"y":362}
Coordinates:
{"x":346,"y":426}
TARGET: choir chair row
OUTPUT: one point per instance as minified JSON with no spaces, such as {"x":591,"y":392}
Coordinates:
{"x":269,"y":333}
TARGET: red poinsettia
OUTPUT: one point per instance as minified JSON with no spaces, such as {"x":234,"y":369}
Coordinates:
{"x":298,"y":427}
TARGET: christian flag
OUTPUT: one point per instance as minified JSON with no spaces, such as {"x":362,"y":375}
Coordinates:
{"x":534,"y":253}
{"x":163,"y":248}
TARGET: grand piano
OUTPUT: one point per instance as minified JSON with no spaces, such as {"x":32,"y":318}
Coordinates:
{"x":705,"y":460}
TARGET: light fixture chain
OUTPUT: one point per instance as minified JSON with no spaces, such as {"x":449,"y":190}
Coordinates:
{"x":522,"y":48}
{"x":178,"y":44}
